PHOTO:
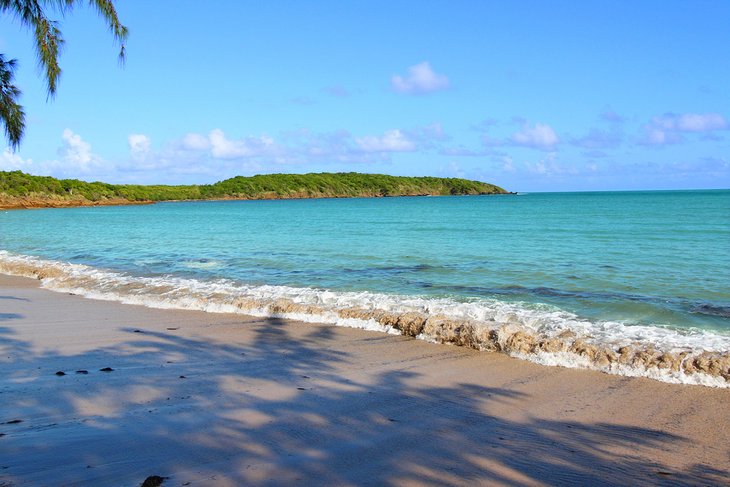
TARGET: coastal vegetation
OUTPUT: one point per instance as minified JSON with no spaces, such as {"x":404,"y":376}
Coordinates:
{"x":33,"y":14}
{"x":21,"y":190}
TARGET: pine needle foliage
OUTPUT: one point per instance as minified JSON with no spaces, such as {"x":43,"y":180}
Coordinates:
{"x":33,"y":14}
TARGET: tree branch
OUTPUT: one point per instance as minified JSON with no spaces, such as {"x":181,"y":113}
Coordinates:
{"x":11,"y":113}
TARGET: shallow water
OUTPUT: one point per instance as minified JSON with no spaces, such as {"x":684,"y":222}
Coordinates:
{"x":615,"y":267}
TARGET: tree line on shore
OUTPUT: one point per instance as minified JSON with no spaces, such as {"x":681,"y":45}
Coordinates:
{"x":17,"y":184}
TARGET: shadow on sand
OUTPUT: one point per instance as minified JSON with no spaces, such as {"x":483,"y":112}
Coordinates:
{"x":277,"y":410}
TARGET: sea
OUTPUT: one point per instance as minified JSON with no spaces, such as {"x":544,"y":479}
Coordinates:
{"x":629,"y":283}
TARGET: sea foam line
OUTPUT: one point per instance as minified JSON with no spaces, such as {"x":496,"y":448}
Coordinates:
{"x":541,"y":334}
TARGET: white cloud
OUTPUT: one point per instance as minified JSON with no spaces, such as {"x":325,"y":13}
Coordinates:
{"x":212,"y":156}
{"x":541,"y":136}
{"x":691,"y":122}
{"x":76,"y":159}
{"x":599,"y":139}
{"x":223,"y":148}
{"x":668,"y":128}
{"x":434,"y":131}
{"x":549,"y":166}
{"x":657,"y":136}
{"x":195,"y":142}
{"x":452,"y":170}
{"x":11,"y":161}
{"x":421,"y":79}
{"x":139,"y":145}
{"x":507,"y":164}
{"x":391,"y":141}
{"x":75,"y":150}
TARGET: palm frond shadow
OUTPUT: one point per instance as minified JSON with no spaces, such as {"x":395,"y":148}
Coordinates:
{"x":277,"y":409}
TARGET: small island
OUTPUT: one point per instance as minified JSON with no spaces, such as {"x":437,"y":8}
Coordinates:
{"x":21,"y":190}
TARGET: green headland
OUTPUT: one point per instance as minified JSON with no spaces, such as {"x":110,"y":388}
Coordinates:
{"x":20,"y":190}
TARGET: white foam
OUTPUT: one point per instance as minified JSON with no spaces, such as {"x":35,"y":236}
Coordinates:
{"x":202,"y":264}
{"x":322,"y":306}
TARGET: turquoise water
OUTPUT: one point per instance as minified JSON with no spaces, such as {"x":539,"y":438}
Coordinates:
{"x":650,"y":270}
{"x":638,"y":257}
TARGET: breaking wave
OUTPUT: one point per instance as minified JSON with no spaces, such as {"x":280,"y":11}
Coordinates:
{"x":538,"y":333}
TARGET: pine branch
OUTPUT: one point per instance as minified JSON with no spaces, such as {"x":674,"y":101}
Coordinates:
{"x":48,"y":43}
{"x":109,"y":13}
{"x":11,"y":113}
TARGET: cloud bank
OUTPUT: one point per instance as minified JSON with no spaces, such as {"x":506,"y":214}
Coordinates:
{"x":669,"y":128}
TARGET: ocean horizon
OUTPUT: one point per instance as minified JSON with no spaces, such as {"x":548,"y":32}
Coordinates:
{"x":630,"y":282}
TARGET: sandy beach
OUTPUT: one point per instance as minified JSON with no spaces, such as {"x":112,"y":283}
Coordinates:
{"x":215,"y":399}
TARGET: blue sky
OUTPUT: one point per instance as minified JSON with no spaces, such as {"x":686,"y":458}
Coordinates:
{"x":530,"y":95}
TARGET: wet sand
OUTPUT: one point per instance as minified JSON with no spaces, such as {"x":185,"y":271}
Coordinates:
{"x":215,"y":399}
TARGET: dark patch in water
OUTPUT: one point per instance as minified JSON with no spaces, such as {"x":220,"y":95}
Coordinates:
{"x":661,"y":302}
{"x":711,"y":310}
{"x":515,"y":290}
{"x":392,"y":269}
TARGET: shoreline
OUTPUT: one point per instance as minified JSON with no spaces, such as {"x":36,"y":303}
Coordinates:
{"x":37,"y":204}
{"x":40,"y":203}
{"x":609,"y":347}
{"x":224,"y":399}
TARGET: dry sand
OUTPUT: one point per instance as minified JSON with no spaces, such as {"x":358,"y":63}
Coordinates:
{"x":214,"y":399}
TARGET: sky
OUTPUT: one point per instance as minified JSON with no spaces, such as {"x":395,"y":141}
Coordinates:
{"x":528,"y":95}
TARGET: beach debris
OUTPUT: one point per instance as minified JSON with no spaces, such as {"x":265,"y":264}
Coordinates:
{"x":153,"y":481}
{"x":137,"y":331}
{"x":106,"y":369}
{"x":13,"y":421}
{"x":183,"y":377}
{"x":60,"y":373}
{"x":173,"y":328}
{"x":82,"y":371}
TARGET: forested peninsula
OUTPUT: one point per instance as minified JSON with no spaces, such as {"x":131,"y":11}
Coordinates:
{"x":21,"y":190}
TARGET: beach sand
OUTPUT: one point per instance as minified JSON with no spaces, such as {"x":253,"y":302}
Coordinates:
{"x":216,"y":399}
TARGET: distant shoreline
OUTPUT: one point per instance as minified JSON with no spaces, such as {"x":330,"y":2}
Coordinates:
{"x":19,"y":190}
{"x":40,"y":203}
{"x":37,"y":204}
